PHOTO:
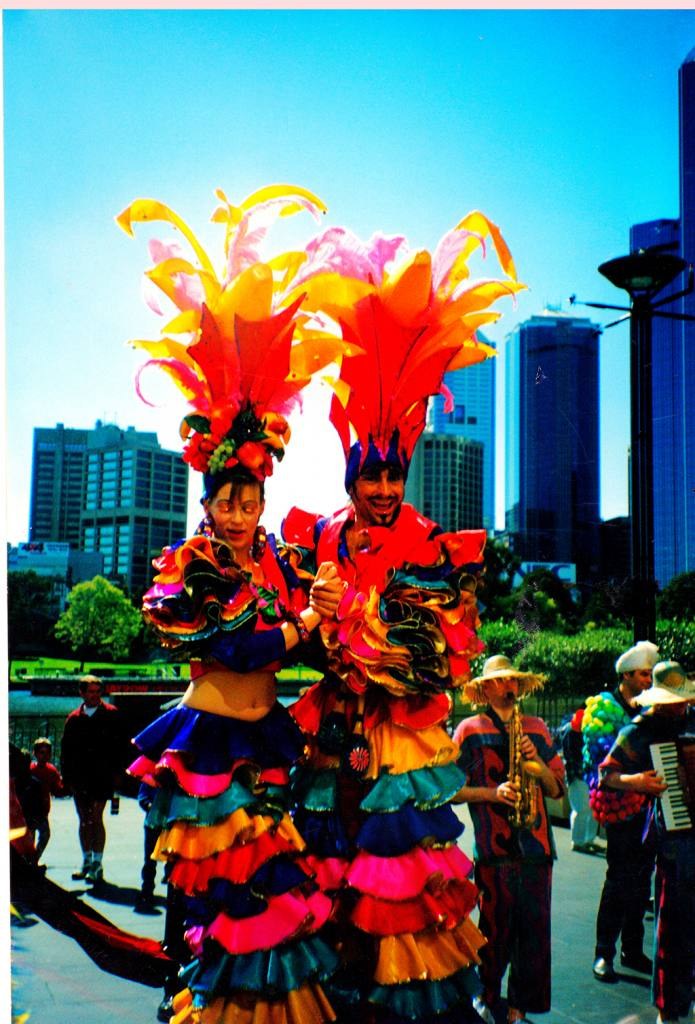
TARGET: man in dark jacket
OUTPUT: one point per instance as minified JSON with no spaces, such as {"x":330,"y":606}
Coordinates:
{"x":92,"y":759}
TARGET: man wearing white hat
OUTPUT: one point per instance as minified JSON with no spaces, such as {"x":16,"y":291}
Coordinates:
{"x":629,"y":864}
{"x":629,"y":767}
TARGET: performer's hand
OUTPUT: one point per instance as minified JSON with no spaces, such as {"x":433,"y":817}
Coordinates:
{"x":506,"y":793}
{"x":326,"y":591}
{"x":650,"y":782}
{"x":327,"y":571}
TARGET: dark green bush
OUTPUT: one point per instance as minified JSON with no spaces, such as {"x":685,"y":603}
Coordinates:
{"x":676,"y":641}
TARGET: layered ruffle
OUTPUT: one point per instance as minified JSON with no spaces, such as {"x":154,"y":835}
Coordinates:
{"x":273,"y":973}
{"x":198,"y":590}
{"x":305,"y":1005}
{"x":391,"y":856}
{"x":210,"y":744}
{"x":252,"y":905}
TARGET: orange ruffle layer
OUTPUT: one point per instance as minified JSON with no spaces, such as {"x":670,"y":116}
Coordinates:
{"x":306,"y":1005}
{"x":195,"y":842}
{"x":430,"y":956}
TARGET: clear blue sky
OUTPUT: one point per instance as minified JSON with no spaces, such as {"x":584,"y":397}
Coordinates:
{"x":560,"y":125}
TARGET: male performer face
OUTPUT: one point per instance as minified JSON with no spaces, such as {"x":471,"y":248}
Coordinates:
{"x":377,"y":495}
{"x":502,"y":695}
{"x":636,"y":682}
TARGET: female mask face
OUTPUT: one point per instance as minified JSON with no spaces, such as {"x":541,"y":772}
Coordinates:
{"x":235,"y":511}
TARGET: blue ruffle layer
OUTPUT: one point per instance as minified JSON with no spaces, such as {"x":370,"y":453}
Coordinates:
{"x":393,"y":834}
{"x":211,"y":743}
{"x":273,"y":972}
{"x":246,"y":900}
{"x":422,"y":1000}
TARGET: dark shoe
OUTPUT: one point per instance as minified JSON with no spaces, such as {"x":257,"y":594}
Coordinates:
{"x":636,"y":962}
{"x":603,"y":970}
{"x":165,"y":1010}
{"x":146,"y":905}
{"x":82,"y":873}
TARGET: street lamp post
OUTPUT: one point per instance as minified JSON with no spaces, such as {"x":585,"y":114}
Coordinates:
{"x":643,"y":274}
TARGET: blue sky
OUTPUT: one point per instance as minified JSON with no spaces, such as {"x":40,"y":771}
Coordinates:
{"x":562,"y":126}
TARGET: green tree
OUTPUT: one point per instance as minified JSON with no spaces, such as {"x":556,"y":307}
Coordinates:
{"x":32,"y":610}
{"x":99,"y":621}
{"x":678,"y":598}
{"x":543,"y":601}
{"x":495,"y":589}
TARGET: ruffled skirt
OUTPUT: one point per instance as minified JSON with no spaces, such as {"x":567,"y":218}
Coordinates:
{"x":253,"y":908}
{"x":385,"y":847}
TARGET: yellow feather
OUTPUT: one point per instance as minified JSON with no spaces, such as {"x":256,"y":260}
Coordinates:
{"x":143,"y":210}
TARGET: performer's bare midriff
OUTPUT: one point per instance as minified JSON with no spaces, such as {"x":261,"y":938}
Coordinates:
{"x":248,"y":696}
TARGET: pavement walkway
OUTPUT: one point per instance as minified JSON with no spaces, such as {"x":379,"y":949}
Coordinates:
{"x":54,"y":980}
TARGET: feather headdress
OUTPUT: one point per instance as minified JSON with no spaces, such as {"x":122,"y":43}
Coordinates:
{"x":409,"y":318}
{"x":240,"y":370}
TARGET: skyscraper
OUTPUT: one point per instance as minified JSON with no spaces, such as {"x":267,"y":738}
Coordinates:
{"x":57,"y":484}
{"x":136,"y":499}
{"x":123,"y":495}
{"x":473,"y":417}
{"x":673,"y":366}
{"x":552,"y":441}
{"x":445,"y":480}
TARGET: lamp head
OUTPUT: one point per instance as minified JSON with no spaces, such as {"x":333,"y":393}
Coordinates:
{"x":643,"y":273}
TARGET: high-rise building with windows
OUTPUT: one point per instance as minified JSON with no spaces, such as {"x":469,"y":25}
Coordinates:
{"x":57,"y":484}
{"x":473,"y":417}
{"x":673,"y":366}
{"x":136,"y":499}
{"x":445,"y":480}
{"x":552,"y":441}
{"x":133,"y":496}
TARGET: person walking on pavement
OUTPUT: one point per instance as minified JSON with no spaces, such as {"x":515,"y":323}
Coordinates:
{"x":583,"y":824}
{"x":93,"y":753}
{"x":629,"y":767}
{"x":629,"y":861}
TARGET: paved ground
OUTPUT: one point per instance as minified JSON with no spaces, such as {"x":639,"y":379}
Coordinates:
{"x":54,"y":980}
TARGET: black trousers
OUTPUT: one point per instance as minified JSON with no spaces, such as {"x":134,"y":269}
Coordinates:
{"x":149,"y":866}
{"x":626,"y":890}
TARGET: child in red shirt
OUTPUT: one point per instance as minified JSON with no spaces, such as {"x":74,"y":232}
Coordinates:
{"x":51,"y":785}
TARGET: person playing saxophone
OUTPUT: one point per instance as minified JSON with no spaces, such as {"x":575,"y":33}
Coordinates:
{"x":511,"y":765}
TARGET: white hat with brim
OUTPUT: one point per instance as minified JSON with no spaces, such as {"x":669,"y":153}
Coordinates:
{"x":498,"y":666}
{"x":670,"y":686}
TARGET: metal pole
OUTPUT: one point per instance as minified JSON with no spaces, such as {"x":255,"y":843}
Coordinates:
{"x":642,"y":469}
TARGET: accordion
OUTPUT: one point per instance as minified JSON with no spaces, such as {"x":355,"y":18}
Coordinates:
{"x":678,"y":801}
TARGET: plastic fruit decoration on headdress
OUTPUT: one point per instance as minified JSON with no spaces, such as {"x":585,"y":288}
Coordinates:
{"x":243,"y":368}
{"x":410,"y":317}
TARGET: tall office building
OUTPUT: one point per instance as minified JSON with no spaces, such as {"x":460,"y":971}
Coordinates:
{"x":136,"y":499}
{"x":123,"y":495}
{"x":552,"y":441}
{"x":445,"y":480}
{"x":473,"y":417}
{"x":57,"y":484}
{"x":673,"y":366}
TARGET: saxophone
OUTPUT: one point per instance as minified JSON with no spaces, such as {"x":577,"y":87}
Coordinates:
{"x":524,"y":773}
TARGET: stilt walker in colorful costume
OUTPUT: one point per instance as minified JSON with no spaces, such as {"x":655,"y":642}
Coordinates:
{"x":373,"y":803}
{"x":220,"y":760}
